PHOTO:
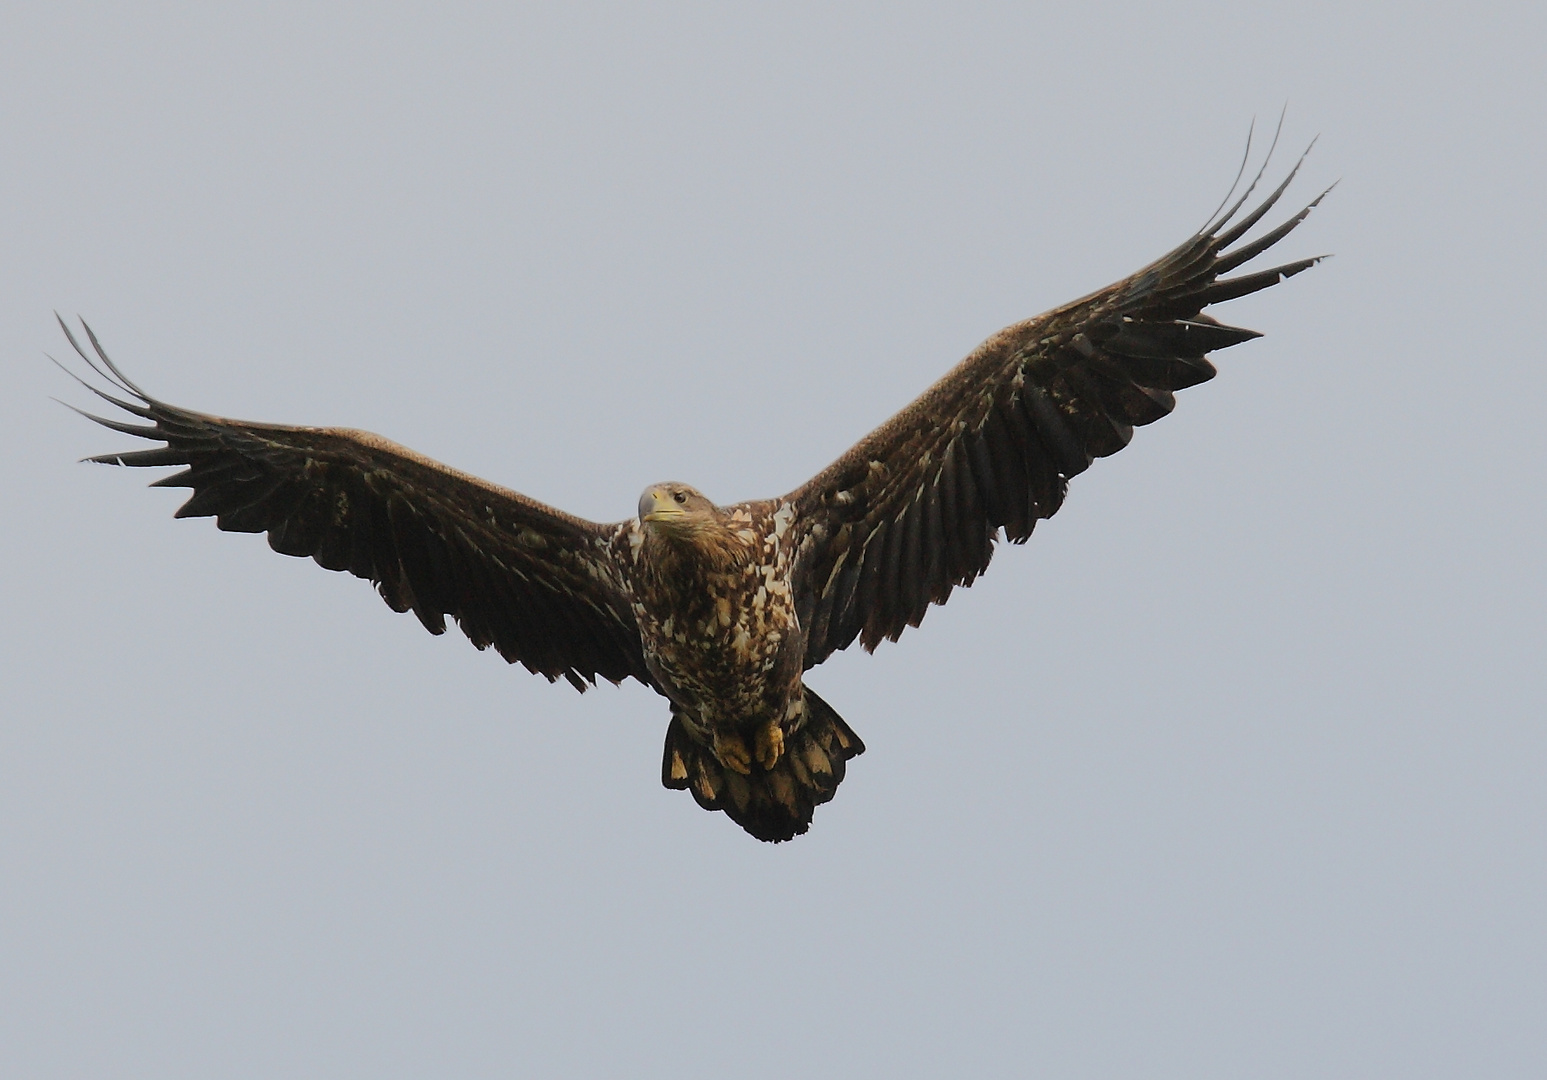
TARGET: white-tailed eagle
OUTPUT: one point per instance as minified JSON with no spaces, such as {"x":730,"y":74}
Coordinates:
{"x":722,"y":609}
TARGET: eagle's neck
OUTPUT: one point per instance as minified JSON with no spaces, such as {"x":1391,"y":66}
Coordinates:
{"x":696,"y":550}
{"x":690,"y":564}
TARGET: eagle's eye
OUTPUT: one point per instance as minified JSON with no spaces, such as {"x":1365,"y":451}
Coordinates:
{"x":679,"y":496}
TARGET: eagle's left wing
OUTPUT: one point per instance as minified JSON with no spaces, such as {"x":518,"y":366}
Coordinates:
{"x":541,"y":586}
{"x":913,"y":510}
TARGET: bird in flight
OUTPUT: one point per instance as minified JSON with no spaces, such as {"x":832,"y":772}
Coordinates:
{"x":723,"y":609}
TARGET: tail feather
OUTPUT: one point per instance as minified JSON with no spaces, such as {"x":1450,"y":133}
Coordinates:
{"x":775,"y":804}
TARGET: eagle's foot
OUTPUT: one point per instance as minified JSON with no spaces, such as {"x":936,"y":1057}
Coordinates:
{"x":769,"y":744}
{"x":732,"y":752}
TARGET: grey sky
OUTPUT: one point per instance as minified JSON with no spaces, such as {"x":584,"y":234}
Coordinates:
{"x":1236,"y":769}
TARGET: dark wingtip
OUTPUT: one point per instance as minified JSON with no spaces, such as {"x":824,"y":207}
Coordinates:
{"x":124,"y":380}
{"x":1246,"y":156}
{"x":1219,"y":220}
{"x":100,"y":363}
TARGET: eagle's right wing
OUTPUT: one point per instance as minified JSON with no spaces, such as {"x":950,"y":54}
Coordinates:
{"x":913,"y":509}
{"x":540,"y":586}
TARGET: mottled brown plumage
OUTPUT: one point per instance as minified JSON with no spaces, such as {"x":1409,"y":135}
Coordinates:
{"x":723,"y":609}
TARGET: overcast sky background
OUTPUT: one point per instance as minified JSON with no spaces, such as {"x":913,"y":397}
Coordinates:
{"x":1236,"y":769}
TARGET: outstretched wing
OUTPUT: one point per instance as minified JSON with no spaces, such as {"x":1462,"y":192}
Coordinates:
{"x":913,"y":510}
{"x":538,"y":585}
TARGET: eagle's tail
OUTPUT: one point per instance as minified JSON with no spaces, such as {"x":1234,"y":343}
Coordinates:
{"x":774,"y":804}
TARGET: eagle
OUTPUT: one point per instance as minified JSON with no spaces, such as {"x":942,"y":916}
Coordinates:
{"x":723,"y":609}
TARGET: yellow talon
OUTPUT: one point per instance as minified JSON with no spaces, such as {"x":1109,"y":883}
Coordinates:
{"x":732,"y":752}
{"x":770,"y":744}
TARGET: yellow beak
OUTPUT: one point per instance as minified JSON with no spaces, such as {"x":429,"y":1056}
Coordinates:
{"x":657,"y":505}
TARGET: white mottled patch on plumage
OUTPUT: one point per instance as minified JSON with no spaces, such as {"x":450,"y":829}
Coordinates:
{"x":781,"y":520}
{"x":728,"y":646}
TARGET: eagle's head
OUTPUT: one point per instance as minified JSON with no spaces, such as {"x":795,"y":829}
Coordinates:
{"x":678,"y":519}
{"x":676,"y":509}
